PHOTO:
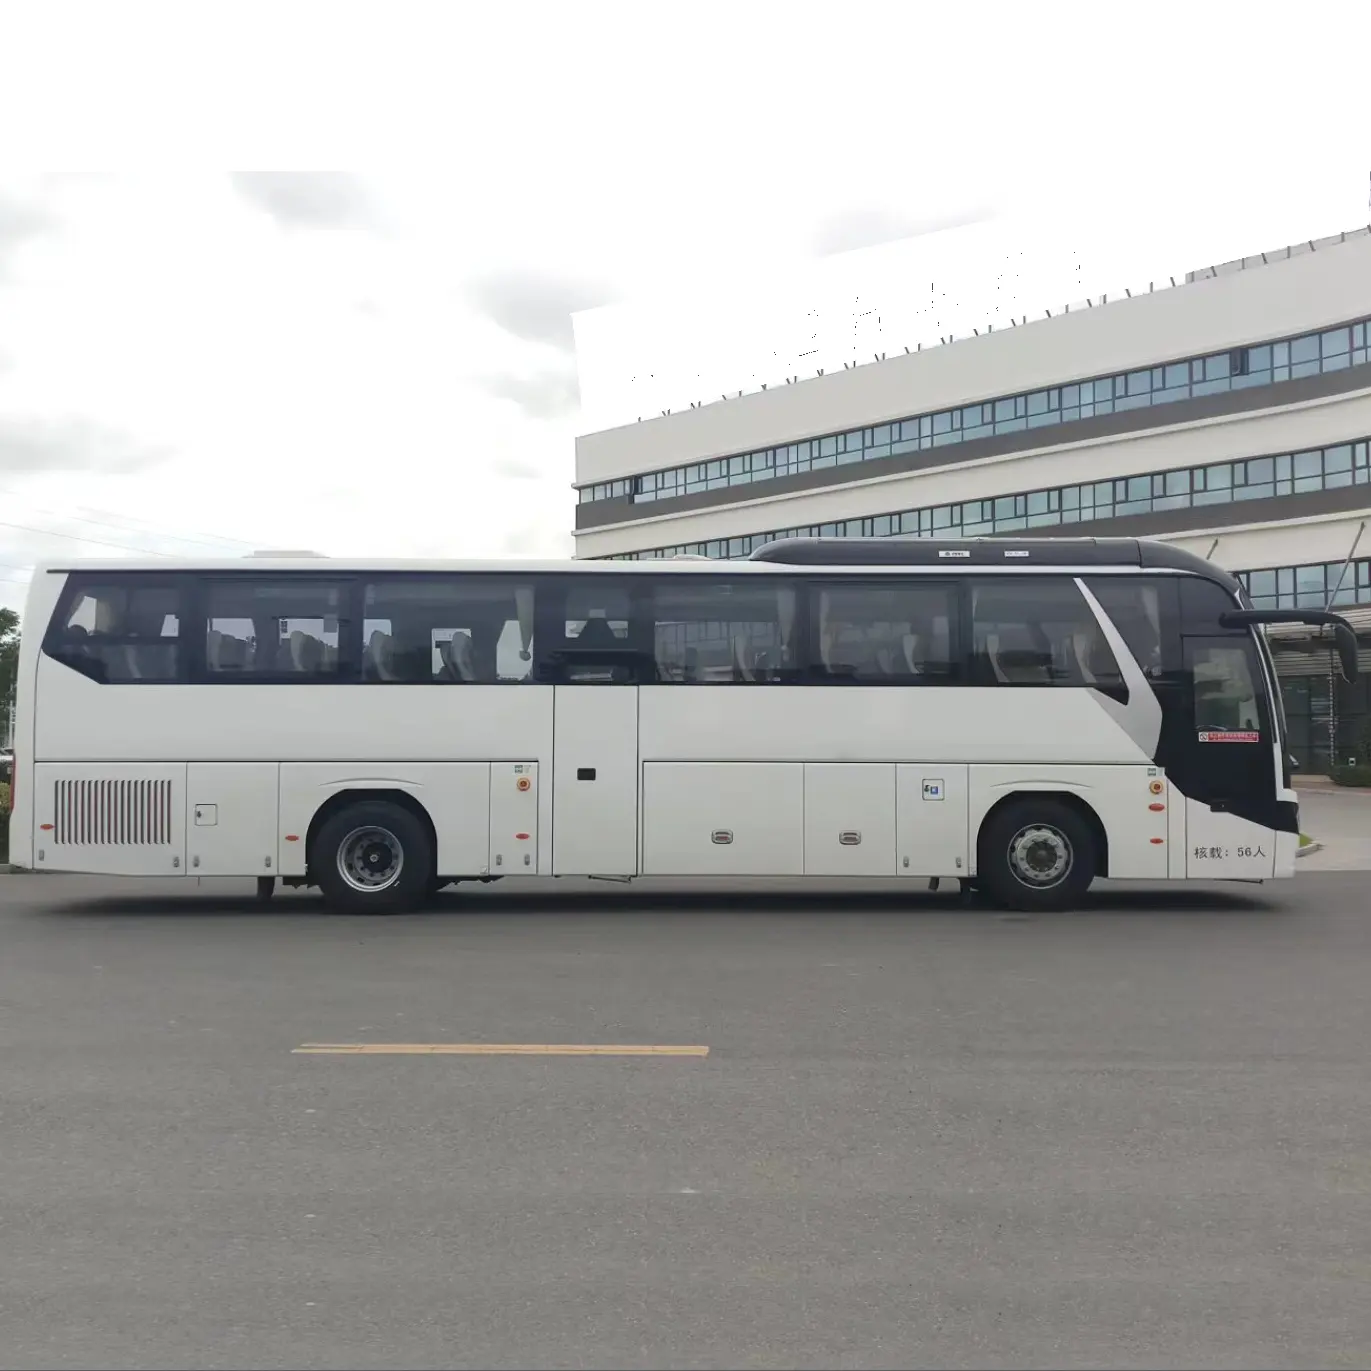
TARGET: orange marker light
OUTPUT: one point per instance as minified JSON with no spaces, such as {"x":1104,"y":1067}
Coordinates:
{"x":1156,"y":787}
{"x":523,"y":783}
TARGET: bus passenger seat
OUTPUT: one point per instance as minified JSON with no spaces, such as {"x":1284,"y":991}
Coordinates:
{"x":1081,"y":650}
{"x":911,"y":643}
{"x":306,"y":652}
{"x":992,"y":652}
{"x":457,"y":660}
{"x":380,"y":657}
{"x":743,"y":659}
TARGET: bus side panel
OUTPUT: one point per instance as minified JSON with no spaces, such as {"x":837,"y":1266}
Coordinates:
{"x":240,"y":721}
{"x":879,"y":724}
{"x":1224,"y":847}
{"x":44,"y":591}
{"x":595,"y":785}
{"x":1119,"y":795}
{"x":117,"y":819}
{"x":231,"y":815}
{"x":361,"y":730}
{"x":1287,"y":849}
{"x":456,"y":796}
{"x":932,"y":804}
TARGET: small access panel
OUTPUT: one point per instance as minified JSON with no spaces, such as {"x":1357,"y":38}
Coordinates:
{"x":932,"y":805}
{"x":231,"y":827}
{"x":723,"y":819}
{"x":513,"y":819}
{"x":849,"y":819}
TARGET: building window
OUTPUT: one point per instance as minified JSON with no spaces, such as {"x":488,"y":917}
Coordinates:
{"x":1261,"y":364}
{"x":1309,"y":587}
{"x":1257,"y":478}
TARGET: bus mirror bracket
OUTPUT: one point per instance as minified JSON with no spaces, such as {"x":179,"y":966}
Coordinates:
{"x":1344,"y":637}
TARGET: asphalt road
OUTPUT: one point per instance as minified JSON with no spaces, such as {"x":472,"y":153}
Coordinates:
{"x":923,"y":1135}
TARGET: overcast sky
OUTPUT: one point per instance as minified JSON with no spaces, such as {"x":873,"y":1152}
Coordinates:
{"x":380,"y":360}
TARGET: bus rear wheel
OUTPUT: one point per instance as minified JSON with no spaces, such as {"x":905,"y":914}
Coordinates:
{"x":1036,"y":855}
{"x":373,"y":857}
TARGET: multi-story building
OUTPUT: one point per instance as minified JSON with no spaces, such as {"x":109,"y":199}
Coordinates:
{"x":1230,"y":413}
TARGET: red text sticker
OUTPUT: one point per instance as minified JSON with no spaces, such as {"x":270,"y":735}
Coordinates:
{"x":1213,"y":736}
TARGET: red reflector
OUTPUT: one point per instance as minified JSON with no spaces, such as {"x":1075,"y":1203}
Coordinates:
{"x":1157,"y":842}
{"x":521,"y":836}
{"x":47,"y":828}
{"x":292,"y":837}
{"x":1156,"y":809}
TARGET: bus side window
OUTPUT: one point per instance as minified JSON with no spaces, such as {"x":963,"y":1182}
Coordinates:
{"x":1039,"y":631}
{"x":447,"y":629}
{"x":889,"y":632}
{"x":1137,"y":606}
{"x":596,"y":617}
{"x":709,"y":631}
{"x":120,"y":633}
{"x":283,"y":627}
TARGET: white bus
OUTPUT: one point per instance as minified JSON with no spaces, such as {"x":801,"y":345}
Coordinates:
{"x":1018,"y":716}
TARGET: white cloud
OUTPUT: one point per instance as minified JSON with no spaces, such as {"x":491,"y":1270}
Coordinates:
{"x":375,"y":361}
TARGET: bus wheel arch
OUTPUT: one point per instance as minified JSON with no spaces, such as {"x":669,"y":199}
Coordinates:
{"x":401,"y":830}
{"x":1070,"y":829}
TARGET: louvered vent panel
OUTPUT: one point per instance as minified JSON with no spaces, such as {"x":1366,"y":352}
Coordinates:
{"x":112,"y":814}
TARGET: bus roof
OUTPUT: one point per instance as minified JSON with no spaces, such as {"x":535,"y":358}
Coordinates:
{"x":1053,"y":552}
{"x":816,"y":553}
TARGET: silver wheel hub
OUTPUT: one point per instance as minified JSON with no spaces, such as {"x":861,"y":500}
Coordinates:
{"x":1040,"y":856}
{"x":370,"y":859}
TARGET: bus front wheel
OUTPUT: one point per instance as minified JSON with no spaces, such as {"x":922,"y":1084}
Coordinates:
{"x":1036,"y":855}
{"x":373,"y":857}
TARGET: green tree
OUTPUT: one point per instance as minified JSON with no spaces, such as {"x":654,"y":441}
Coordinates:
{"x":9,"y":660}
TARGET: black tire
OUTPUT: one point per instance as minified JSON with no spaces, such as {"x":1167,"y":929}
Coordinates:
{"x":386,"y":849}
{"x":1008,"y":851}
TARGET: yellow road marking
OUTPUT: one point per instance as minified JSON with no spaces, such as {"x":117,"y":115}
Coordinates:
{"x":495,"y":1050}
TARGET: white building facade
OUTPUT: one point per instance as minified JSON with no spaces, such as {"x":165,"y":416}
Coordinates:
{"x":1230,"y":414}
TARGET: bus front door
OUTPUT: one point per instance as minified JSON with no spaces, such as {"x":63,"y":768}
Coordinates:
{"x":1232,"y":804}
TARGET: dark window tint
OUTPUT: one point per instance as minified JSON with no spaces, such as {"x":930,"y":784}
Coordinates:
{"x":1202,"y":602}
{"x":454,"y":629}
{"x":119,"y":632}
{"x":287,"y":628}
{"x":1039,"y":631}
{"x":882,"y":632}
{"x":1226,"y":696}
{"x":1137,"y":606}
{"x":591,"y":639}
{"x":708,"y":632}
